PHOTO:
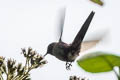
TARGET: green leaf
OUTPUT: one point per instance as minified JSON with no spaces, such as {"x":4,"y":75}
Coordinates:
{"x":97,"y":2}
{"x":99,"y":62}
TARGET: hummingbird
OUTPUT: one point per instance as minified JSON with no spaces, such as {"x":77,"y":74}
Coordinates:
{"x":69,"y":52}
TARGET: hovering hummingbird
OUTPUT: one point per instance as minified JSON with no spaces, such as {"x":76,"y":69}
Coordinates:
{"x":69,"y":52}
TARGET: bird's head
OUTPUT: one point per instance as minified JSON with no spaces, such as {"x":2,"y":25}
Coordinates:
{"x":50,"y":48}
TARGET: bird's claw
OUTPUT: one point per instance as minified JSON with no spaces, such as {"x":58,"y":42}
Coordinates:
{"x":68,"y":65}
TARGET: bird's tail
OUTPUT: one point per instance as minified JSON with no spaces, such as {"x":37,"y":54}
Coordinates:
{"x":81,"y":34}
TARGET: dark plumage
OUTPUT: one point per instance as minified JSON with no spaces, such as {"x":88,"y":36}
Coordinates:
{"x":69,"y":52}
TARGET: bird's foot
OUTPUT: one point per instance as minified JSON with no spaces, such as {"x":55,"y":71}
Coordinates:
{"x":68,"y":65}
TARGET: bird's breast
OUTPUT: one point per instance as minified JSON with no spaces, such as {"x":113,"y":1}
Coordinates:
{"x":59,"y":51}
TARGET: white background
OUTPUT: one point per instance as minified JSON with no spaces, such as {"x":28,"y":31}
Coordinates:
{"x":32,"y":23}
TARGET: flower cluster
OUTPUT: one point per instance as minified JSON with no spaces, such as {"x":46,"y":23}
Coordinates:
{"x":76,"y":78}
{"x":21,"y":71}
{"x":33,"y":59}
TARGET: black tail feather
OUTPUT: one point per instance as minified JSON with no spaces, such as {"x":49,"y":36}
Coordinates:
{"x":81,"y":34}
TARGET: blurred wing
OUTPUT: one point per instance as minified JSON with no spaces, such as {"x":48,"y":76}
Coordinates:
{"x":60,"y":25}
{"x":81,"y":34}
{"x":88,"y":45}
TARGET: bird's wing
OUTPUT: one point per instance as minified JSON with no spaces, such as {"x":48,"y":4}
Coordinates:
{"x":61,"y":19}
{"x":88,"y":44}
{"x":80,"y":36}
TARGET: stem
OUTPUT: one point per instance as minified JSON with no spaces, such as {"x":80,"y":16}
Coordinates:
{"x":1,"y":78}
{"x":14,"y":78}
{"x":7,"y":77}
{"x":119,"y":70}
{"x":109,"y":63}
{"x":24,"y":75}
{"x":26,"y":63}
{"x":17,"y":77}
{"x":116,"y":74}
{"x":119,"y":73}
